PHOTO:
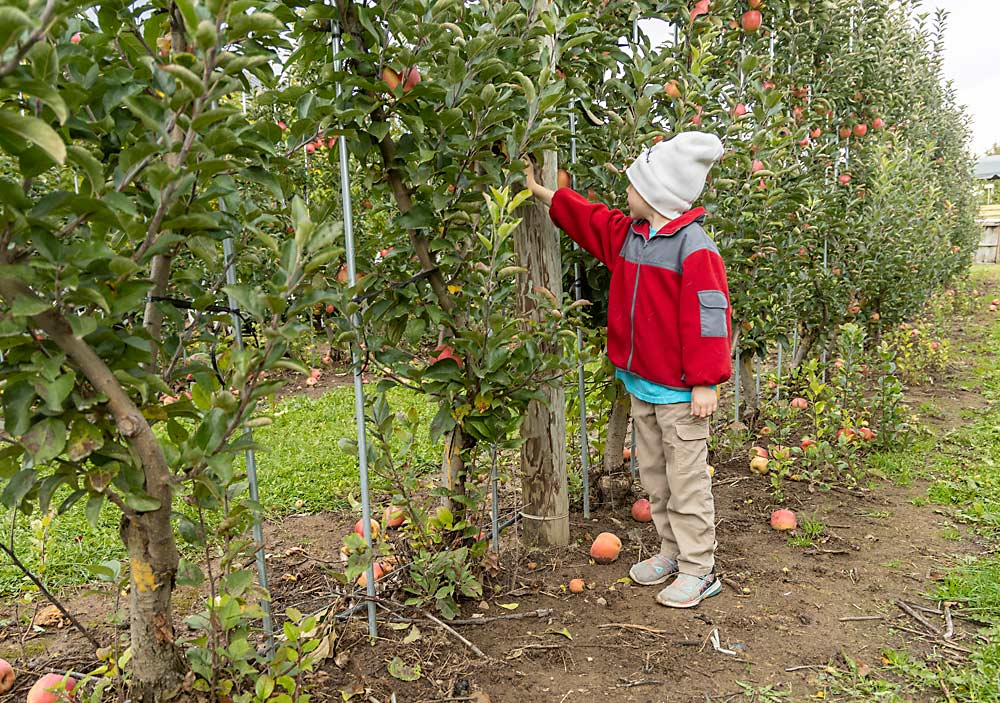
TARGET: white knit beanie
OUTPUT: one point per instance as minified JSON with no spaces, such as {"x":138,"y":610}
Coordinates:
{"x":670,"y":175}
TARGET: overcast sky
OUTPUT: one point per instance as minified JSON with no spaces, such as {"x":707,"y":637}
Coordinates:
{"x":972,"y":61}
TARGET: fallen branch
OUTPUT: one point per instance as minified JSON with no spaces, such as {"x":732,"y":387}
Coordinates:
{"x":625,"y":683}
{"x":949,"y":624}
{"x":805,"y":666}
{"x":630,"y":626}
{"x":918,"y":617}
{"x":856,"y":618}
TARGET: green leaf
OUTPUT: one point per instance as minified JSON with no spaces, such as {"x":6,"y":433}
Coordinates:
{"x":35,"y":131}
{"x":141,"y":502}
{"x":93,"y":509}
{"x":84,"y":439}
{"x":45,"y":440}
{"x":28,"y":305}
{"x":18,"y":487}
{"x":399,"y":669}
{"x":55,"y":393}
{"x":17,"y":399}
{"x":12,"y":23}
{"x":189,"y":574}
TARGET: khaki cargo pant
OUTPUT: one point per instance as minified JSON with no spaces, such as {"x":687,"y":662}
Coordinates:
{"x":672,"y":453}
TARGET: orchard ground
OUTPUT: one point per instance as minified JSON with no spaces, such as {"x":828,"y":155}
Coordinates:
{"x":808,"y":617}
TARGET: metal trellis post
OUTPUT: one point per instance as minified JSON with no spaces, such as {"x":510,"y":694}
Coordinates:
{"x":359,"y":389}
{"x":578,"y":293}
{"x":229,"y":253}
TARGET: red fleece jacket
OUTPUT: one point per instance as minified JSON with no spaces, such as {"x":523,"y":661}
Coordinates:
{"x":669,"y":319}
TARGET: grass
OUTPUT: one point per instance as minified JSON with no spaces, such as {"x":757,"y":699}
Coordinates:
{"x":963,"y":466}
{"x":301,"y":469}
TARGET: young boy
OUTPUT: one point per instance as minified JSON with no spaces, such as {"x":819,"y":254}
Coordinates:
{"x":668,"y":336}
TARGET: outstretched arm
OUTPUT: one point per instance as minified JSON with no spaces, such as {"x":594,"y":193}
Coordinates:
{"x":537,"y":189}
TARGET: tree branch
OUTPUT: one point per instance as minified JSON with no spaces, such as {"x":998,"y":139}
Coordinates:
{"x":46,"y":23}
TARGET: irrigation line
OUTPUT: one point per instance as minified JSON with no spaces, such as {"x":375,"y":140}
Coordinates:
{"x":736,"y":386}
{"x":359,"y":388}
{"x":251,"y":459}
{"x":578,"y":294}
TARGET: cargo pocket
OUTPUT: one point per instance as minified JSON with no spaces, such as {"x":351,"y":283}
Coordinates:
{"x":713,"y":306}
{"x":695,"y":428}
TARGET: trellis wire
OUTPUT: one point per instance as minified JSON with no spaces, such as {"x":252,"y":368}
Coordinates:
{"x":229,"y":254}
{"x":578,"y":294}
{"x":495,"y":499}
{"x":736,"y":387}
{"x":359,"y":389}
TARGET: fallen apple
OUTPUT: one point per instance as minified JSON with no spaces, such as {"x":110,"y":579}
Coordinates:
{"x":51,"y":688}
{"x":805,"y":443}
{"x":393,"y":516}
{"x":606,"y":548}
{"x":783,"y":520}
{"x":711,"y":470}
{"x":642,"y":511}
{"x":363,"y":578}
{"x":758,"y":451}
{"x":758,"y":465}
{"x":6,"y":676}
{"x":359,"y":527}
{"x":799,"y":403}
{"x":577,"y":586}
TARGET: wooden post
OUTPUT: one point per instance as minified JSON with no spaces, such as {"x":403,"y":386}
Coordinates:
{"x":543,"y":454}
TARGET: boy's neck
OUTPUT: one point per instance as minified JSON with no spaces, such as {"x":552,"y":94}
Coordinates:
{"x":658,"y":221}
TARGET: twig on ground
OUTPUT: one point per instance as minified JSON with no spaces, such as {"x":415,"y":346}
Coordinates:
{"x":736,"y":587}
{"x":625,"y":683}
{"x":925,"y":609}
{"x":814,"y":552}
{"x":805,"y":666}
{"x":949,"y":624}
{"x":918,"y":617}
{"x":855,"y":618}
{"x":630,"y":626}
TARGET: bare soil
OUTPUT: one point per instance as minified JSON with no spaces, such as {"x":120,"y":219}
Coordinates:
{"x":783,"y":614}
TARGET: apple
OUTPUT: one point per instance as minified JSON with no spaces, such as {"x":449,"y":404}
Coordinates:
{"x":768,"y":85}
{"x":390,"y":78}
{"x":750,"y":21}
{"x":696,"y":120}
{"x":844,"y":132}
{"x":359,"y":527}
{"x":995,"y":301}
{"x":799,"y":403}
{"x":577,"y":586}
{"x":765,"y":431}
{"x":815,"y":133}
{"x":804,"y":142}
{"x":52,"y":688}
{"x":867,"y":434}
{"x":310,"y":148}
{"x":393,"y":516}
{"x":758,"y":465}
{"x":806,"y":443}
{"x":564,"y":180}
{"x":6,"y":676}
{"x":342,"y":274}
{"x":410,"y":78}
{"x":878,"y":123}
{"x":758,"y":451}
{"x":781,"y":452}
{"x":756,"y":166}
{"x":934,"y":346}
{"x":446,"y":352}
{"x":993,"y":308}
{"x":700,"y":8}
{"x":642,"y":510}
{"x":860,"y":129}
{"x":672,"y":89}
{"x":627,"y":453}
{"x":845,"y":432}
{"x":282,"y":126}
{"x":844,"y":179}
{"x":739,"y":110}
{"x":755,"y":4}
{"x":75,"y":39}
{"x":379,"y":573}
{"x":783,"y":520}
{"x":606,"y":548}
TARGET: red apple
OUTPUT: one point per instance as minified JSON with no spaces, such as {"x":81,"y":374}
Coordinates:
{"x":783,"y":520}
{"x":390,"y":78}
{"x":844,"y":132}
{"x":76,"y":38}
{"x":806,"y":443}
{"x":860,"y":129}
{"x":866,"y":433}
{"x":577,"y":585}
{"x":446,"y":352}
{"x":815,"y":133}
{"x":605,"y":548}
{"x":781,"y":452}
{"x":52,"y":688}
{"x":845,"y":432}
{"x":750,"y":21}
{"x":642,"y":510}
{"x":700,"y":8}
{"x":379,"y":573}
{"x":755,"y":4}
{"x":6,"y":676}
{"x":359,"y":527}
{"x":878,"y":123}
{"x":768,"y":85}
{"x":410,"y":78}
{"x":804,"y":142}
{"x":844,"y":179}
{"x":330,"y":309}
{"x":757,"y":165}
{"x":282,"y":126}
{"x":934,"y":346}
{"x":739,"y":110}
{"x":672,"y":89}
{"x":799,"y":403}
{"x":758,"y":451}
{"x":310,"y":148}
{"x":394,"y":516}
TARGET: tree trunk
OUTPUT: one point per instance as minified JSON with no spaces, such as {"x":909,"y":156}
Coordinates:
{"x":748,"y":387}
{"x":613,"y":483}
{"x":543,"y":454}
{"x":453,"y":469}
{"x":805,"y":346}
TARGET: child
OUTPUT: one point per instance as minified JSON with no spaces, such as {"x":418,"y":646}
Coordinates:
{"x":668,"y":335}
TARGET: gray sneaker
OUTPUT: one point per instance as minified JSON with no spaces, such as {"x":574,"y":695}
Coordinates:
{"x":687,"y":591}
{"x":653,"y":570}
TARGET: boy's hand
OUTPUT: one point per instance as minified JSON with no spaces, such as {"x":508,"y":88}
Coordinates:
{"x":704,"y":401}
{"x":539,"y":191}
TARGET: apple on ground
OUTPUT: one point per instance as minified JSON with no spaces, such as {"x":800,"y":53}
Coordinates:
{"x":605,"y":548}
{"x":799,"y":403}
{"x":758,"y":451}
{"x":806,"y":443}
{"x":783,"y":520}
{"x":394,"y":516}
{"x":52,"y":688}
{"x":642,"y":510}
{"x":363,"y":578}
{"x":758,"y":465}
{"x":359,"y":527}
{"x":6,"y":676}
{"x":577,"y":586}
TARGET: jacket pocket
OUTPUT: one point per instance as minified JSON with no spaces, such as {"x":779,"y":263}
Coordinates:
{"x":713,"y":304}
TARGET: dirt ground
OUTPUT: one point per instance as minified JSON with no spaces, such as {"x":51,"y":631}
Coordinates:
{"x":784,"y":615}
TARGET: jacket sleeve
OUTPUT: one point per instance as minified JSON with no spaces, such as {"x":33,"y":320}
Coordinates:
{"x":593,"y":226}
{"x":705,"y":320}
